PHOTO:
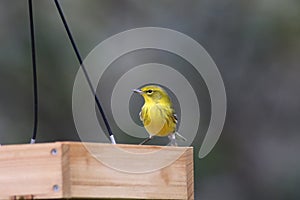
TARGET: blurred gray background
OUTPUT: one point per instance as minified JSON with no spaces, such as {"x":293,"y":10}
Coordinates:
{"x":255,"y":45}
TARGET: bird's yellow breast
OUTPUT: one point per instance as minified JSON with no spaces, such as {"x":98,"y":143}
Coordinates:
{"x":157,"y":119}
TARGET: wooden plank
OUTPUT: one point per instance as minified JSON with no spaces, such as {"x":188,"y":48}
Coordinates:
{"x":190,"y":173}
{"x":66,"y":171}
{"x":27,"y":170}
{"x":92,"y":170}
{"x":91,"y":175}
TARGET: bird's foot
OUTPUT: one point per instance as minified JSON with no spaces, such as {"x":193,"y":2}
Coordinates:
{"x":172,"y":139}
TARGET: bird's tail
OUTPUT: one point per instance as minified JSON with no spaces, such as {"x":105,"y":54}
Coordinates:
{"x":179,"y":136}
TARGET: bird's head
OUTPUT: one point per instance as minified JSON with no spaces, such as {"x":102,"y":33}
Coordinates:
{"x":153,"y":94}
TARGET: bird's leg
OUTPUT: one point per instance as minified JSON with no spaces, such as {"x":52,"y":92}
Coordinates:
{"x":172,"y":139}
{"x":146,"y":140}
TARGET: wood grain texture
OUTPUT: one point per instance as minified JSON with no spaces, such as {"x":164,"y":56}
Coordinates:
{"x":90,"y":170}
{"x":30,"y":170}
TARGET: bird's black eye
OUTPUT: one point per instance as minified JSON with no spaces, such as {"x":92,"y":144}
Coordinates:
{"x":149,"y":91}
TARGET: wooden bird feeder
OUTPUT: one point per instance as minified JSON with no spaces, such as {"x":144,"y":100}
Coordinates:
{"x":64,"y":170}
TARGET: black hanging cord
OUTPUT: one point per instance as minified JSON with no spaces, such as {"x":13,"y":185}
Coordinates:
{"x":84,"y":71}
{"x":35,"y":89}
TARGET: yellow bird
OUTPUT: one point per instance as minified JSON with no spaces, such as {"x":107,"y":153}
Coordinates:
{"x":157,"y":113}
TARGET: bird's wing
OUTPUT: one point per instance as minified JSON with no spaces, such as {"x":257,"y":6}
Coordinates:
{"x":178,"y":135}
{"x":175,"y":119}
{"x":141,"y":115}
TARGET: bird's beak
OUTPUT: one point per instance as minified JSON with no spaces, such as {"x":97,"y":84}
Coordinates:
{"x":137,"y":91}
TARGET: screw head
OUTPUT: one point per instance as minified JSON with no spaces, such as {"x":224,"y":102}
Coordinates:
{"x":55,"y":188}
{"x":54,"y":152}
